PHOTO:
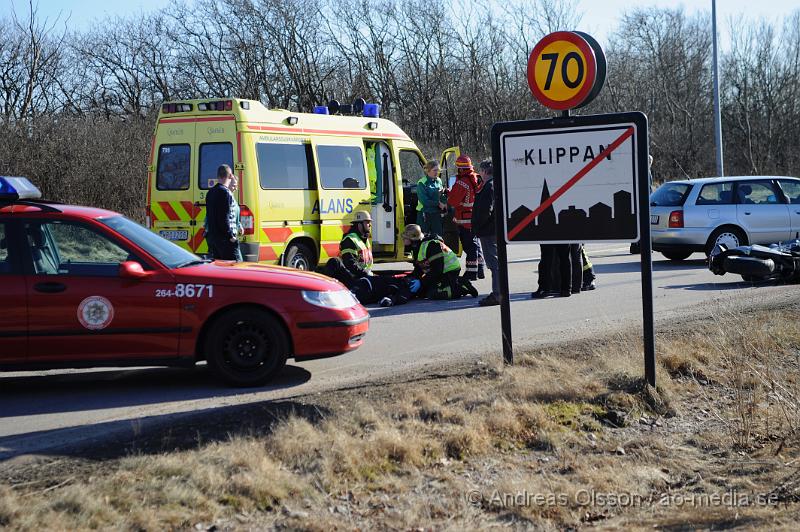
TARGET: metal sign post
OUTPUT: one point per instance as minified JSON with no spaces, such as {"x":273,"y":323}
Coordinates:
{"x":502,"y":254}
{"x":571,"y":180}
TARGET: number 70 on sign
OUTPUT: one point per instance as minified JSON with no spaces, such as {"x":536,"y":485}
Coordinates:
{"x":566,"y":70}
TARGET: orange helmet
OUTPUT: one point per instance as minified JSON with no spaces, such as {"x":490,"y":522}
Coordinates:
{"x":464,"y":162}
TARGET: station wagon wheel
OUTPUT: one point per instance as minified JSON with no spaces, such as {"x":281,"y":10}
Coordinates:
{"x":731,"y":236}
{"x":247,"y":347}
{"x":299,"y":256}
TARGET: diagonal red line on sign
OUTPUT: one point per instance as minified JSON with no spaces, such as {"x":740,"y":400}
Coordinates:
{"x":566,"y":186}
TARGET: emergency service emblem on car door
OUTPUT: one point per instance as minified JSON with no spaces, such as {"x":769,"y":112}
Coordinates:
{"x":95,"y":312}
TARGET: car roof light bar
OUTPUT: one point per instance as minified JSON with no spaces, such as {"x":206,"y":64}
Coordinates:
{"x":16,"y":188}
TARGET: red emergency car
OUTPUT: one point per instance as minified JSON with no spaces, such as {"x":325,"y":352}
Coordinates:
{"x":86,"y":287}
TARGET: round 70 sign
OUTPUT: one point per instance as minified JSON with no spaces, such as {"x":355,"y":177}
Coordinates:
{"x":566,"y":69}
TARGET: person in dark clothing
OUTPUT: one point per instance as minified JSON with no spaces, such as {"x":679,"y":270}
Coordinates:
{"x":575,"y":270}
{"x":436,"y":267}
{"x":387,"y":291}
{"x":369,"y":289}
{"x":222,"y":215}
{"x":483,"y":226}
{"x":548,"y":273}
{"x":556,"y":271}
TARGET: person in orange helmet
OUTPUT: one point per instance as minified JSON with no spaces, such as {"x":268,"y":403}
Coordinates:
{"x":462,"y":198}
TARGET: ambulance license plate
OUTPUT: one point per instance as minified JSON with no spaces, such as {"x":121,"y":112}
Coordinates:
{"x":653,"y":219}
{"x":175,"y":235}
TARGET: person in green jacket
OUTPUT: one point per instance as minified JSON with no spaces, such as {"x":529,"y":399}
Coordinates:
{"x":429,"y":200}
{"x":436,"y":267}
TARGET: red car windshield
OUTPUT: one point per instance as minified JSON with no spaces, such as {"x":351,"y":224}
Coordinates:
{"x":169,"y":254}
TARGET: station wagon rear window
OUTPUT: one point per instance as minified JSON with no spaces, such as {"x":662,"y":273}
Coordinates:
{"x":284,"y":166}
{"x":341,"y":167}
{"x":670,"y":195}
{"x":173,"y":167}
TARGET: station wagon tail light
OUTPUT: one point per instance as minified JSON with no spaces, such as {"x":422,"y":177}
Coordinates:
{"x":676,"y":219}
{"x":338,"y":299}
{"x":248,"y":220}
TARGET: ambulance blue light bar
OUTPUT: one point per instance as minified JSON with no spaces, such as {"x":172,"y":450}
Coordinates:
{"x":15,"y":188}
{"x":321,"y":110}
{"x":372,"y":110}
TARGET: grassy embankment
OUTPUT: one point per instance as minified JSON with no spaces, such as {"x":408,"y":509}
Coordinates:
{"x":568,"y":437}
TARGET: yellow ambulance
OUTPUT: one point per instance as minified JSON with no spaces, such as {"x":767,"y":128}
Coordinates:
{"x":302,"y":177}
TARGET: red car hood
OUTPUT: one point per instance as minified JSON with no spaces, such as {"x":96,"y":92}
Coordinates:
{"x":249,"y":273}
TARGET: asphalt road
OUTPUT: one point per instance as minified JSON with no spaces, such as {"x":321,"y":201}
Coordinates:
{"x":41,"y":412}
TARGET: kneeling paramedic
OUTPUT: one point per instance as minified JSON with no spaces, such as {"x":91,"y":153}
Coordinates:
{"x":353,"y":267}
{"x":435,"y":266}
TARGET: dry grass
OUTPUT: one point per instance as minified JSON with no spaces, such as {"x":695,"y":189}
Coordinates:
{"x":569,"y":436}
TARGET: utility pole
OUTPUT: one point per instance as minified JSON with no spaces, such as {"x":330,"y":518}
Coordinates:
{"x":717,"y":117}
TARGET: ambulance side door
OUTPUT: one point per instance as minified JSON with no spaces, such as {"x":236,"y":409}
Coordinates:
{"x":215,"y":139}
{"x":343,"y":190}
{"x":172,"y":194}
{"x":383,"y":198}
{"x":411,"y":163}
{"x":447,"y":164}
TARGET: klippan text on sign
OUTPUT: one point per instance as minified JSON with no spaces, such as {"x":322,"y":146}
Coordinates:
{"x":571,"y":184}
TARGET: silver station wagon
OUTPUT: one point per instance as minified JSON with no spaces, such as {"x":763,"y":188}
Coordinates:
{"x":697,"y":214}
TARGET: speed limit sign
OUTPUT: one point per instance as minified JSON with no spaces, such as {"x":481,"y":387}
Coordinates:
{"x":566,"y":69}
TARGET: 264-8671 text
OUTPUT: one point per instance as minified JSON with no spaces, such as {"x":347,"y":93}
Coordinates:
{"x":188,"y":290}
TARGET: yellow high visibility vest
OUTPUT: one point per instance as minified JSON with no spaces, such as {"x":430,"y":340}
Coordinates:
{"x":364,"y":253}
{"x":450,"y":259}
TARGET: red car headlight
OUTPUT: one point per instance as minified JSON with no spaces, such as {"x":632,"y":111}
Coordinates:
{"x":336,"y":299}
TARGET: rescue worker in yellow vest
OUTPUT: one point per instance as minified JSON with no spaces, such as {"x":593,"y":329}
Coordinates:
{"x":436,"y":266}
{"x":355,"y":249}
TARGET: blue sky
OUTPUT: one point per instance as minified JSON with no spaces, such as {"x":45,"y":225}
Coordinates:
{"x":599,"y":16}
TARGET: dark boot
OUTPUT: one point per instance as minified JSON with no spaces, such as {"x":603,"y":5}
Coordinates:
{"x":466,"y":287}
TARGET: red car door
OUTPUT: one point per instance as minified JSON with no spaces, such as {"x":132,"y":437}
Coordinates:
{"x":80,"y":307}
{"x":14,"y":307}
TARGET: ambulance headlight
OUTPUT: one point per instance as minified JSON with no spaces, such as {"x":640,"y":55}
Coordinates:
{"x":14,"y":188}
{"x":338,"y":299}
